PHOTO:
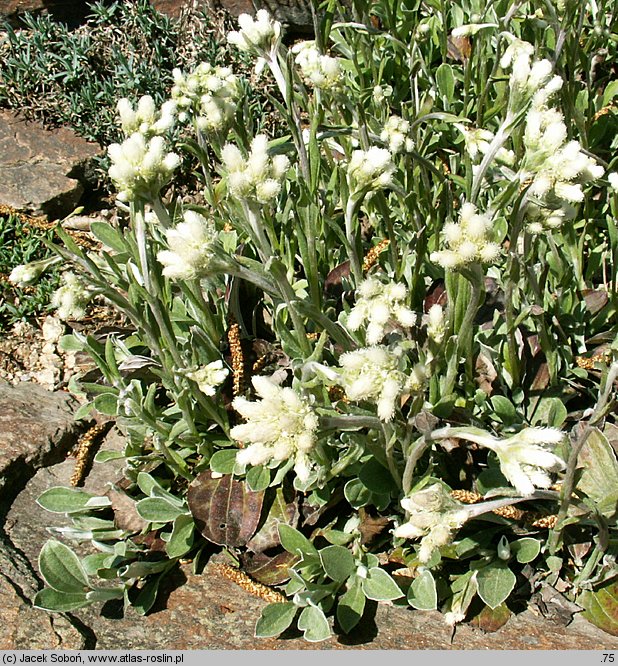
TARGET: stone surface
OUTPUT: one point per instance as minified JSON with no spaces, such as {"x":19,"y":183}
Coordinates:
{"x":23,"y":627}
{"x":27,"y":522}
{"x":41,"y":171}
{"x":36,"y":429}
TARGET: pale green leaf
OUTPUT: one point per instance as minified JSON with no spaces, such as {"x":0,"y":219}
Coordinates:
{"x":61,"y":568}
{"x":379,"y":586}
{"x":275,"y":619}
{"x":495,"y":582}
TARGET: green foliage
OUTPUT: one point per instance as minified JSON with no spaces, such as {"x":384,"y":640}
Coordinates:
{"x":22,"y":243}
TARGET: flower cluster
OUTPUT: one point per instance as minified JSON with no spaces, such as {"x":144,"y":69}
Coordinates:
{"x":477,"y":142}
{"x":71,"y":298}
{"x":208,"y":377}
{"x":371,"y":169}
{"x":525,"y":458}
{"x":145,"y":118}
{"x":433,"y":515}
{"x":209,"y":94}
{"x":191,"y":248}
{"x":396,"y":135}
{"x":468,"y":241}
{"x":374,"y":374}
{"x":557,"y":168}
{"x":280,"y":426}
{"x":379,"y":304}
{"x":436,"y":325}
{"x":529,"y":80}
{"x":260,"y":35}
{"x":26,"y":274}
{"x":318,"y":70}
{"x":140,"y":167}
{"x":257,"y":177}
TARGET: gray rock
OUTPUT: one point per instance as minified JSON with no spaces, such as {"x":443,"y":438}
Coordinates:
{"x":36,"y":429}
{"x":41,"y":171}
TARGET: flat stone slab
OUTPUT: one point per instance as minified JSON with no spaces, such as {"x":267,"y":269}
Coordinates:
{"x":41,"y":170}
{"x":36,"y":429}
{"x":25,"y":628}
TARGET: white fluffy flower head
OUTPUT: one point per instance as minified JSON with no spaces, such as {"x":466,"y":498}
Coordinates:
{"x":396,"y":135}
{"x":370,"y":169}
{"x":468,"y":241}
{"x":436,"y":323}
{"x":191,"y":245}
{"x":140,"y":167}
{"x":374,"y":374}
{"x":257,"y":177}
{"x":71,"y":298}
{"x":433,"y":515}
{"x":318,"y":70}
{"x":145,"y":118}
{"x":526,"y":460}
{"x":208,"y":377}
{"x":281,"y":425}
{"x":382,"y":307}
{"x":555,"y":168}
{"x":259,"y":35}
{"x":209,"y":94}
{"x":26,"y":274}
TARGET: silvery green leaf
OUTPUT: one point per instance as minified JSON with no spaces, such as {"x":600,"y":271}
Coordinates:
{"x":70,"y":500}
{"x":338,"y":562}
{"x":295,"y":542}
{"x":526,"y":549}
{"x":379,"y":586}
{"x":61,"y":568}
{"x":422,"y":594}
{"x":60,"y":602}
{"x":275,"y":619}
{"x":495,"y":582}
{"x":109,"y":236}
{"x":181,"y":539}
{"x":158,"y":510}
{"x":350,"y":607}
{"x":314,"y":625}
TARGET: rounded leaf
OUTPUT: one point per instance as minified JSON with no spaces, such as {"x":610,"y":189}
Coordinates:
{"x":379,"y":586}
{"x":495,"y":582}
{"x":226,"y":512}
{"x":422,"y":594}
{"x":337,"y":562}
{"x":61,"y":568}
{"x":61,"y":602}
{"x":314,"y":625}
{"x":275,"y":619}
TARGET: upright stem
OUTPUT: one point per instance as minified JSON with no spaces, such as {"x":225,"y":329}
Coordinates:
{"x":501,"y":137}
{"x":288,"y":97}
{"x":350,"y":211}
{"x":413,"y":455}
{"x":389,"y":440}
